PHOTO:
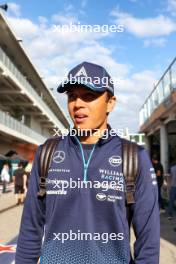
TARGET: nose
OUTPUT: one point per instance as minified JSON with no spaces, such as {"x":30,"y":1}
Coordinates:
{"x":79,"y":102}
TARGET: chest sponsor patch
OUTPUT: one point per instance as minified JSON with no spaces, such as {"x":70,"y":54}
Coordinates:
{"x":107,"y":197}
{"x":115,"y":161}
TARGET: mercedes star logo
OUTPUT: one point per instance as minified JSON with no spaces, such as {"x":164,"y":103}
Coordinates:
{"x":59,"y":156}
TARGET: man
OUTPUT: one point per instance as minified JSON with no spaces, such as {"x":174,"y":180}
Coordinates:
{"x":159,"y":175}
{"x":172,"y":192}
{"x":19,"y":179}
{"x":5,"y":177}
{"x":89,"y":224}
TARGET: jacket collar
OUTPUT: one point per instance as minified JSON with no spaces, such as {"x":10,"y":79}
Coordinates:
{"x":109,"y":134}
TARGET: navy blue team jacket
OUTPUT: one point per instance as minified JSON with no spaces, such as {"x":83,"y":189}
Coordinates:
{"x":89,"y":210}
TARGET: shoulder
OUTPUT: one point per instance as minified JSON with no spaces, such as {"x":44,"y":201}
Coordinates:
{"x":53,"y":140}
{"x":15,"y":171}
{"x":142,"y":154}
{"x":144,"y":158}
{"x":49,"y":144}
{"x":160,"y":166}
{"x":140,"y":149}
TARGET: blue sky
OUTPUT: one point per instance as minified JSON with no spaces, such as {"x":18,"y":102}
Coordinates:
{"x":137,"y":57}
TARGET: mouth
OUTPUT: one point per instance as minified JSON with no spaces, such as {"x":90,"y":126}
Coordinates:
{"x":80,"y":118}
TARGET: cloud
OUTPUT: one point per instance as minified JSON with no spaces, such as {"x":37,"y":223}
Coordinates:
{"x":158,"y":42}
{"x":14,"y":8}
{"x":131,"y":94}
{"x":24,"y":28}
{"x":83,"y":3}
{"x":141,"y":81}
{"x":151,"y":27}
{"x":171,"y":6}
{"x":64,"y":19}
{"x":69,"y":14}
{"x":43,"y":21}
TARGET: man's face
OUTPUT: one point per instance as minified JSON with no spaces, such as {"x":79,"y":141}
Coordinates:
{"x":88,"y":109}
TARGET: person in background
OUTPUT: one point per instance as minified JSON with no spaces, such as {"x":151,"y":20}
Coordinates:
{"x":27,"y":176}
{"x":19,"y":179}
{"x":159,"y":175}
{"x":172,"y":192}
{"x":5,"y":177}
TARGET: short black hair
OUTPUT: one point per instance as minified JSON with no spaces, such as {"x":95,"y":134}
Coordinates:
{"x":155,"y":157}
{"x":20,"y":164}
{"x":109,"y":95}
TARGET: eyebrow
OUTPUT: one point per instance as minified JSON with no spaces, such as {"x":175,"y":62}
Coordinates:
{"x":71,"y":92}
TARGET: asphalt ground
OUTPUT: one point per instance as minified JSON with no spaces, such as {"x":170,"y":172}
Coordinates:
{"x":10,"y":216}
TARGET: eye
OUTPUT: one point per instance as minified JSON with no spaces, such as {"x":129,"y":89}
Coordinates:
{"x":71,"y":96}
{"x":89,"y":96}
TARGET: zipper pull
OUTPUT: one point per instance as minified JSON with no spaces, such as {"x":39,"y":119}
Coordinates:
{"x":85,"y":172}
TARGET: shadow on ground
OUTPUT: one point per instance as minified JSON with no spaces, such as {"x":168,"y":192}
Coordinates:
{"x":168,"y":228}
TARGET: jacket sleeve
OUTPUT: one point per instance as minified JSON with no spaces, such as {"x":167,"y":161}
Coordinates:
{"x":32,"y":222}
{"x":146,"y":218}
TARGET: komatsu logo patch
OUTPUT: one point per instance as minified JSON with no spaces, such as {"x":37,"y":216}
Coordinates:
{"x":115,"y":161}
{"x":101,"y":196}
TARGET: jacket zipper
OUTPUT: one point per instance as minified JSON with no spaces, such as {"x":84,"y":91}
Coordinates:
{"x":86,"y":164}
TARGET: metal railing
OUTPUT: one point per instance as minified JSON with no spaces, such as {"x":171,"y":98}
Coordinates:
{"x":10,"y":122}
{"x":25,"y":85}
{"x":161,"y":91}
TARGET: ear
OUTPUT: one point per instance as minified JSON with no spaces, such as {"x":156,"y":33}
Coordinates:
{"x":111,"y":103}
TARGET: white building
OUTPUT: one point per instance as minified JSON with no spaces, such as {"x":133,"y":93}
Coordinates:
{"x":158,"y":118}
{"x":28,"y":110}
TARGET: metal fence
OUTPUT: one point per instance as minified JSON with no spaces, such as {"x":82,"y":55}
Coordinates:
{"x":161,"y":91}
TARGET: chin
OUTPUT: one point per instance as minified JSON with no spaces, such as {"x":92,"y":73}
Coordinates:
{"x":83,"y":126}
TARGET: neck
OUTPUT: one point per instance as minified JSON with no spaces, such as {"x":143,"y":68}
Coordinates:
{"x":95,"y":135}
